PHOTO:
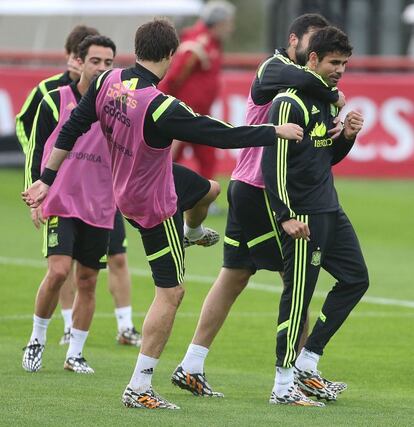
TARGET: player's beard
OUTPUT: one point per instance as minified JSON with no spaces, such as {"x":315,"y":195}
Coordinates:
{"x":301,"y":55}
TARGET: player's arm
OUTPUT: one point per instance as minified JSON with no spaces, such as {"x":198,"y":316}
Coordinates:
{"x":175,"y":120}
{"x":26,"y":116}
{"x":279,"y":73}
{"x":44,"y":124}
{"x":352,"y":125}
{"x":80,"y":121}
{"x":274,"y":167}
{"x":81,"y":118}
{"x":274,"y":160}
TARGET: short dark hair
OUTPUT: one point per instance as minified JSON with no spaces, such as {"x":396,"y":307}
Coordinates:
{"x":88,"y":41}
{"x":155,"y":40}
{"x":303,"y":23}
{"x":76,"y":36}
{"x":327,"y":40}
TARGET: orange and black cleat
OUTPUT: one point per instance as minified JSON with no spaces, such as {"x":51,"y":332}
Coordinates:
{"x":147,"y":399}
{"x":194,"y":383}
{"x":312,"y":384}
{"x":294,"y":397}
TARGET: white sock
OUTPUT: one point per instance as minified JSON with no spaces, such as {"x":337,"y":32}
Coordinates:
{"x":193,"y":233}
{"x":307,"y":360}
{"x":39,"y":329}
{"x":193,"y":361}
{"x":67,"y":318}
{"x":142,"y":377}
{"x":124,"y":318}
{"x":283,"y":381}
{"x":76,"y":343}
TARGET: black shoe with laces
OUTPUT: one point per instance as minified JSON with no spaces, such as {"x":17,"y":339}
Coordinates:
{"x":32,"y":356}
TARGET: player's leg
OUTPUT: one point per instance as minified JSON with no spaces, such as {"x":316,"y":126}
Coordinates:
{"x":163,"y":246}
{"x":249,"y":244}
{"x":66,"y":298}
{"x":207,"y":163}
{"x":300,"y":276}
{"x":344,"y":261}
{"x":119,"y":283}
{"x":90,"y":253}
{"x":58,"y":245}
{"x":195,"y":194}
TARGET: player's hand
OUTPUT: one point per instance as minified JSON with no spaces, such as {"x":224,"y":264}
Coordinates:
{"x":353,"y":124}
{"x":37,"y":217}
{"x":35,"y":194}
{"x":290,"y":131}
{"x":337,"y":129}
{"x":73,"y":65}
{"x":296,"y":229}
{"x":341,"y":100}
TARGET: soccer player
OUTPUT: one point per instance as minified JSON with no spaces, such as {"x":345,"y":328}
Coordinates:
{"x":315,"y":232}
{"x":118,"y":275}
{"x":26,"y":116}
{"x":80,"y":210}
{"x":140,"y":123}
{"x":252,"y":240}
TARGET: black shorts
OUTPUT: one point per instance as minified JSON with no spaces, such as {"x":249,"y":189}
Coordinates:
{"x":189,"y":186}
{"x":117,"y":237}
{"x":252,"y":239}
{"x":163,"y":243}
{"x":75,"y":238}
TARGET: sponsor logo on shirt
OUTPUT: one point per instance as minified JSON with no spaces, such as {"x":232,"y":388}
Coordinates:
{"x":79,"y":155}
{"x":118,"y":93}
{"x":118,"y":110}
{"x":317,"y":136}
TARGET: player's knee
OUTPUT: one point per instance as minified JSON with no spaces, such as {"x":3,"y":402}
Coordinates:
{"x":57,"y":274}
{"x":212,"y":193}
{"x":117,"y":262}
{"x":177,"y":295}
{"x":86,"y":281}
{"x":243,"y":277}
{"x":215,"y":189}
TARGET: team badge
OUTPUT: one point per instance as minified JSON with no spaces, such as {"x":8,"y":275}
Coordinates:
{"x":52,"y":240}
{"x":316,"y":258}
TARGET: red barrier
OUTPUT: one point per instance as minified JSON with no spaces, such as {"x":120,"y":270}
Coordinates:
{"x":385,"y":148}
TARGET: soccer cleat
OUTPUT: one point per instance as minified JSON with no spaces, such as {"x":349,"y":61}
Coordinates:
{"x":129,"y":336}
{"x":147,"y":399}
{"x":294,"y":397}
{"x":335,"y":386}
{"x":78,"y":365}
{"x":195,"y":383}
{"x":32,"y":356}
{"x":312,"y":384}
{"x":209,"y":238}
{"x":65,"y":337}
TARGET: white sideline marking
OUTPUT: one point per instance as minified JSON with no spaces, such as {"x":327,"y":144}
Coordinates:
{"x":240,"y":314}
{"x":276,"y":289}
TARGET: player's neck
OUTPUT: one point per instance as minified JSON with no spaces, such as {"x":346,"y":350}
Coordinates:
{"x":82,"y":85}
{"x":291,"y":53}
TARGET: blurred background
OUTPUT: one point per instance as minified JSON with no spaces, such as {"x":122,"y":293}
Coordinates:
{"x":379,"y":81}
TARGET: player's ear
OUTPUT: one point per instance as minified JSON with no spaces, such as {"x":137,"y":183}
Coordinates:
{"x":313,"y":60}
{"x":293,"y":40}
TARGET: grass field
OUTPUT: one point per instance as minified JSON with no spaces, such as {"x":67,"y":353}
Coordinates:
{"x":373,"y":352}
